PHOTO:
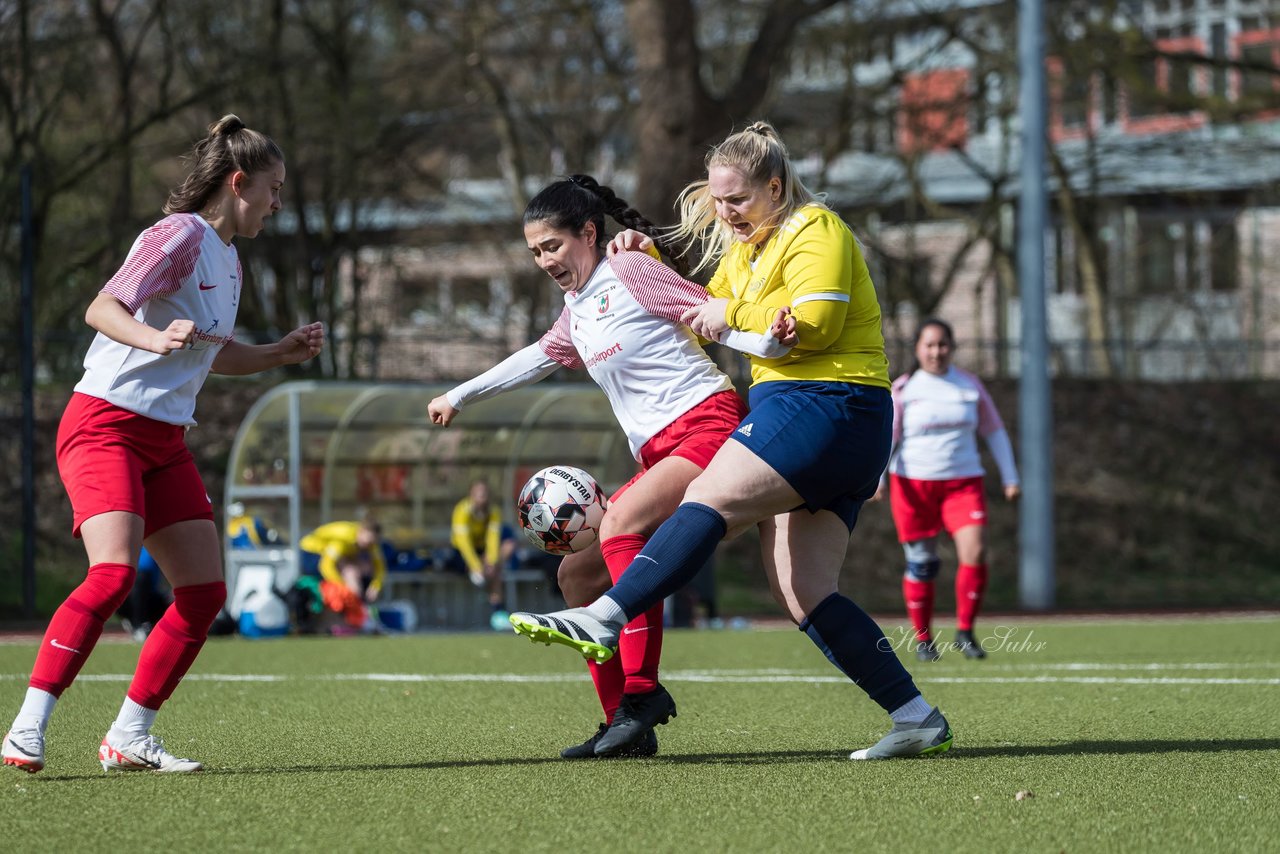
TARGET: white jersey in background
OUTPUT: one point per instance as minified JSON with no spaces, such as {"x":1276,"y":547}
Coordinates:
{"x":936,"y":422}
{"x":623,"y":327}
{"x":178,"y":269}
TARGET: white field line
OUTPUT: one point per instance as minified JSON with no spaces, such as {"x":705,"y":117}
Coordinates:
{"x":710,"y":676}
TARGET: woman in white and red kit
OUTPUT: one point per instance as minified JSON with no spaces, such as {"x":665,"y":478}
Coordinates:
{"x":935,"y":481}
{"x":621,"y":323}
{"x":164,"y":321}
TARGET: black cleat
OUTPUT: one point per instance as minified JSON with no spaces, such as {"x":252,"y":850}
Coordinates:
{"x":637,"y":715}
{"x":970,"y":647}
{"x":646,"y":746}
{"x":926,"y":651}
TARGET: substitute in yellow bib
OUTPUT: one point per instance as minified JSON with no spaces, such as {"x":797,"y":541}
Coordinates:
{"x":348,"y":556}
{"x":482,"y":546}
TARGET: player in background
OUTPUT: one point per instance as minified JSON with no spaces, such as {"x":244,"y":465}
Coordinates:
{"x":348,"y":557}
{"x":935,"y":481}
{"x":621,"y":323}
{"x":484,"y":547}
{"x":164,"y":321}
{"x":813,"y":447}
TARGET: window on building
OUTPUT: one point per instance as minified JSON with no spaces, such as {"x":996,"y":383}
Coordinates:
{"x":1257,"y":82}
{"x":1181,"y":73}
{"x":1075,"y":100}
{"x":1162,"y":256}
{"x":1224,"y":255}
{"x":1144,"y":94}
{"x":1218,"y":50}
{"x":1187,"y":252}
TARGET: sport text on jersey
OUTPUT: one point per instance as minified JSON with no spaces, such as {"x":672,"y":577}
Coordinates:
{"x":604,"y":354}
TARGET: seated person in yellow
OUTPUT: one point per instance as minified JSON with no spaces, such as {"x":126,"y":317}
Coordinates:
{"x":245,"y":531}
{"x":351,"y":567}
{"x":483,"y":545}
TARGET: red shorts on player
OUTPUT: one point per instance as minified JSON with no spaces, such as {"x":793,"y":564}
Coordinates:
{"x":114,"y":459}
{"x":922,"y":508}
{"x":695,"y":436}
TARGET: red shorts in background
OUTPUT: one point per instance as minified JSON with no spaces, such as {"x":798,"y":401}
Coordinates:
{"x":922,"y":508}
{"x":113,"y":459}
{"x":695,"y":436}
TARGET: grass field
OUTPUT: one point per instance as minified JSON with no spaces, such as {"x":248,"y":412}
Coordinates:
{"x":1131,"y":736}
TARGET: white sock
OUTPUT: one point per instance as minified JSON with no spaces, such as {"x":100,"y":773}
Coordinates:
{"x":37,"y":708}
{"x":911,"y":712}
{"x":134,"y":720}
{"x":607,"y":611}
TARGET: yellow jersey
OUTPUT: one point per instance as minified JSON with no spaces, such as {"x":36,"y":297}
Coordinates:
{"x":469,"y":533}
{"x":336,"y":542}
{"x":812,"y":264}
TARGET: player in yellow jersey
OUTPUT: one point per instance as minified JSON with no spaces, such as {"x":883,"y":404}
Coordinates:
{"x":812,"y":447}
{"x":352,"y":568}
{"x":484,"y":546}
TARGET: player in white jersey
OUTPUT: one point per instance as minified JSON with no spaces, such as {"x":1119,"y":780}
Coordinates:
{"x":935,"y":482}
{"x":164,"y":321}
{"x":621,"y":323}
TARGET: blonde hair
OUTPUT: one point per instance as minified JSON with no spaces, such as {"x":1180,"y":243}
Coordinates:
{"x":759,"y":154}
{"x":230,"y":145}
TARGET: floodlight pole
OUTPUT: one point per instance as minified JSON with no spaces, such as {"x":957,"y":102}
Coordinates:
{"x":1036,"y":540}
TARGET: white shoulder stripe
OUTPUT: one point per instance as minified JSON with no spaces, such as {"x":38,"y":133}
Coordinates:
{"x":829,"y":296}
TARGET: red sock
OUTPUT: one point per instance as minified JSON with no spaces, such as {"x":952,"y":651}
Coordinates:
{"x":175,"y":642}
{"x":971,"y":581}
{"x":609,"y":681}
{"x":919,"y":599}
{"x":640,"y":646}
{"x":77,"y":624}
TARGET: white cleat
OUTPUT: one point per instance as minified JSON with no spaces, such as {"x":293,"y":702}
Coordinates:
{"x":594,"y":639}
{"x":142,"y":753}
{"x":929,"y":737}
{"x":24,"y":749}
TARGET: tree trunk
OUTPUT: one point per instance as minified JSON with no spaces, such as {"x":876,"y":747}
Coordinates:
{"x":675,"y":118}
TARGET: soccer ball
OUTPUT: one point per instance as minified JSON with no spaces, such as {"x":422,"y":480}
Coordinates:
{"x":559,"y":510}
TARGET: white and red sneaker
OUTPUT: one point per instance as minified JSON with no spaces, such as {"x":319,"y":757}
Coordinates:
{"x":24,"y":748}
{"x":141,"y":753}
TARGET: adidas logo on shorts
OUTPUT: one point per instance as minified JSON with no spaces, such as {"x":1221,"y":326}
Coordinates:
{"x":745,"y":429}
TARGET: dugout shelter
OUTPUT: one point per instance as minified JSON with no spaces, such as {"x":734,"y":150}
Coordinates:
{"x":311,"y":452}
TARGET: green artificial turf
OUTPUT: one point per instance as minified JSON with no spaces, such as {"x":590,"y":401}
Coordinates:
{"x":1130,"y":736}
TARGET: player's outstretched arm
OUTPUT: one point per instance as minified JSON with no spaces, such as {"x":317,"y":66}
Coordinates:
{"x":237,"y":359}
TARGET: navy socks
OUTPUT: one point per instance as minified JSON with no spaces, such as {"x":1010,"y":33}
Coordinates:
{"x":856,"y":645}
{"x":671,"y":558}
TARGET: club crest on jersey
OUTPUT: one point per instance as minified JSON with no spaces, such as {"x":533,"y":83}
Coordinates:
{"x":602,"y":304}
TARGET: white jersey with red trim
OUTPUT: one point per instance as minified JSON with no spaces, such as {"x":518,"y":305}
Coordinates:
{"x":629,"y":338}
{"x":178,"y":269}
{"x":936,"y":422}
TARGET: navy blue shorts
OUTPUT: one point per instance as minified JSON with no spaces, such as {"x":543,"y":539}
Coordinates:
{"x":829,"y":441}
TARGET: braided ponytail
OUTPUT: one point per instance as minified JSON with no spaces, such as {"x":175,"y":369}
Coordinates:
{"x":571,"y":203}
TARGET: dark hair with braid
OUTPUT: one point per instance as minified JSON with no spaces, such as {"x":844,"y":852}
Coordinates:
{"x":571,"y":203}
{"x":230,"y":145}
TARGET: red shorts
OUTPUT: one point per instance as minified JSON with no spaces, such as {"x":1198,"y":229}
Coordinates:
{"x":695,"y":436}
{"x":114,"y":459}
{"x":921,"y":508}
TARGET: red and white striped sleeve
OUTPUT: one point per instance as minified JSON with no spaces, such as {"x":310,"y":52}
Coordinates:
{"x":991,"y":429}
{"x":989,"y":420}
{"x":656,"y":287}
{"x":160,"y":260}
{"x":558,"y":345}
